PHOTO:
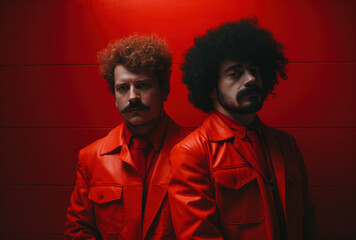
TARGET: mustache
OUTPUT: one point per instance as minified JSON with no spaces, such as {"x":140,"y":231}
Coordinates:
{"x":134,"y":105}
{"x":249,"y":90}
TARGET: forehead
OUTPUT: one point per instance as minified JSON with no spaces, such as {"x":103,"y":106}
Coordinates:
{"x":123,"y":74}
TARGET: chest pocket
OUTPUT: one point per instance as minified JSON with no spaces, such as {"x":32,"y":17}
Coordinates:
{"x":238,"y":196}
{"x":108,"y":208}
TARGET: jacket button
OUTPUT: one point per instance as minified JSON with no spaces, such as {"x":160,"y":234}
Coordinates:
{"x":101,"y":196}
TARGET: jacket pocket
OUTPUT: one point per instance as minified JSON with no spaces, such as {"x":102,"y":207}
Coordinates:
{"x":238,"y":196}
{"x":108,"y":208}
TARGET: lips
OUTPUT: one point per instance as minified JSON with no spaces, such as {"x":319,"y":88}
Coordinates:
{"x":136,"y":109}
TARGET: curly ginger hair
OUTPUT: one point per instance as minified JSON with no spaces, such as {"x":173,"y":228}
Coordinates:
{"x":137,"y":53}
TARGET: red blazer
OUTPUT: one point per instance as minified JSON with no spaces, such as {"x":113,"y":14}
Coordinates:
{"x":107,"y":199}
{"x":219,"y":191}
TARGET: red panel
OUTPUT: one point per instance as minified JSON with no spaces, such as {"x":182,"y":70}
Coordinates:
{"x":33,"y":209}
{"x":55,"y":96}
{"x":43,"y":156}
{"x":15,"y":236}
{"x":315,"y":95}
{"x":338,"y":237}
{"x":72,"y":96}
{"x":71,"y":32}
{"x":336,"y":211}
{"x":329,"y":154}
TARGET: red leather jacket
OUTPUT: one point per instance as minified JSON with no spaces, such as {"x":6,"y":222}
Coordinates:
{"x":218,"y":190}
{"x":107,"y":199}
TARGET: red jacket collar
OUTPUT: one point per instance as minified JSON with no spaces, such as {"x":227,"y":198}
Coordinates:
{"x":116,"y":137}
{"x":221,"y":131}
{"x":154,"y":136}
{"x":218,"y":129}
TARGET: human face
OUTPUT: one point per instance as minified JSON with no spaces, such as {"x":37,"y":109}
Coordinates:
{"x":138,"y":97}
{"x":239,"y":88}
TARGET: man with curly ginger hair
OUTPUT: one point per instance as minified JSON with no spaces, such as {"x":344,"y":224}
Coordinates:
{"x":122,"y":179}
{"x":234,"y":177}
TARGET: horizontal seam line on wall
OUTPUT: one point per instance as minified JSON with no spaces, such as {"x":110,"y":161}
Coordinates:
{"x":96,"y":64}
{"x":72,"y":185}
{"x":331,"y":186}
{"x":40,"y":185}
{"x":63,"y":127}
{"x":342,"y":127}
{"x":29,"y":233}
{"x":61,"y":234}
{"x":49,"y":65}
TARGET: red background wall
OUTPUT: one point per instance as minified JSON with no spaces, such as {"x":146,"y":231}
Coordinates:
{"x":53,"y":101}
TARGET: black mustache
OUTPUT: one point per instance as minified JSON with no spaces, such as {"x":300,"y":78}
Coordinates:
{"x":135,"y":105}
{"x":249,"y":90}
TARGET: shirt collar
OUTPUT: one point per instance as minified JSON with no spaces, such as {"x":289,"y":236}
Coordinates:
{"x":257,"y":126}
{"x":154,"y":136}
{"x":238,"y":128}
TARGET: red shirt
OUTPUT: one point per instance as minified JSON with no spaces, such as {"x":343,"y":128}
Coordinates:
{"x":155,"y":138}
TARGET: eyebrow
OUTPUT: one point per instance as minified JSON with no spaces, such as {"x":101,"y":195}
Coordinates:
{"x":138,"y":81}
{"x":232,"y":67}
{"x":238,"y":65}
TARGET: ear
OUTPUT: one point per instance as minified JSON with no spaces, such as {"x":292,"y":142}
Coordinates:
{"x":213,"y":95}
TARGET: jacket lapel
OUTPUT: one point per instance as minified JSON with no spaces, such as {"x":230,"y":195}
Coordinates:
{"x":219,"y":131}
{"x":161,"y":175}
{"x":115,"y":143}
{"x":247,"y":152}
{"x":278,"y":164}
{"x":157,"y":189}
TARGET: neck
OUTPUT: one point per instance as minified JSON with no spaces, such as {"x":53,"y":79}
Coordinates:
{"x":245,"y":119}
{"x":144,"y":129}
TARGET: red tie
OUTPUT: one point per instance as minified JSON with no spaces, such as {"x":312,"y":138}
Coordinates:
{"x":138,"y":154}
{"x":256,"y":144}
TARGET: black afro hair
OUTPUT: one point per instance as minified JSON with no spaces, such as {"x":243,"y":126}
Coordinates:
{"x":240,"y":41}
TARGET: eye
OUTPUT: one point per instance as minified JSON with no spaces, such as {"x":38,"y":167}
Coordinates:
{"x":143,"y":85}
{"x":122,"y":88}
{"x":234,"y":74}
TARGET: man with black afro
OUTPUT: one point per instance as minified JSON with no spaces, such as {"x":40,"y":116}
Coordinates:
{"x":234,"y":177}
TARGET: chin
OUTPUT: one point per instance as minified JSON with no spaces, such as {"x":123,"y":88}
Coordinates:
{"x":138,"y":121}
{"x":252,"y":107}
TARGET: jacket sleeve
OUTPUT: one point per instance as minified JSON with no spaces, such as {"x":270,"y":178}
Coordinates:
{"x":80,"y":223}
{"x":309,"y":220}
{"x":191,"y":194}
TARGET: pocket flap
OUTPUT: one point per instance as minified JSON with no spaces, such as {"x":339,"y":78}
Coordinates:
{"x":103,"y":194}
{"x":234,"y":177}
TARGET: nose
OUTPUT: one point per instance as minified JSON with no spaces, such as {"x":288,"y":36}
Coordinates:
{"x":134,"y":95}
{"x":249,"y":78}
